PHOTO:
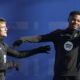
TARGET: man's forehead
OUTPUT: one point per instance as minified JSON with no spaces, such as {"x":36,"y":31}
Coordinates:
{"x":75,"y":16}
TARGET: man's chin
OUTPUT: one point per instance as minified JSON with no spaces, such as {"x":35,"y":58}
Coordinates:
{"x":5,"y":36}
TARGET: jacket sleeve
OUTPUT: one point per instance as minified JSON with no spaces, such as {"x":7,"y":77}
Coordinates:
{"x":25,"y":53}
{"x":41,"y":38}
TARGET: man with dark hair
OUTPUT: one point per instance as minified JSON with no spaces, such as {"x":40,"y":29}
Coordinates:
{"x":74,"y":13}
{"x":67,"y":46}
{"x":6,"y":50}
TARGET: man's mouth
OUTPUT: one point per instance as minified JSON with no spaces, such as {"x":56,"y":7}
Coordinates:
{"x":74,"y":25}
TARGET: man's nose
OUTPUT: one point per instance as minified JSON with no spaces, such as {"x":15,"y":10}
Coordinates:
{"x":75,"y":21}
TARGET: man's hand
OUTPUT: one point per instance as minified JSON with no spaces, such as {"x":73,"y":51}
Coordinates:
{"x":44,"y":49}
{"x":15,"y":65}
{"x":17,"y":43}
{"x":12,"y":64}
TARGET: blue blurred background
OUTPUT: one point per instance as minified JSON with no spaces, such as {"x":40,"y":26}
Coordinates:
{"x":34,"y":17}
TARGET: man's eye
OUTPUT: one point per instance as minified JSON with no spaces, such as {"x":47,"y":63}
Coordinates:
{"x":78,"y":20}
{"x":3,"y":27}
{"x":73,"y":20}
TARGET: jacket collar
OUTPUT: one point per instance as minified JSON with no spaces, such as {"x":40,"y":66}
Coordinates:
{"x":1,"y":39}
{"x":71,"y":30}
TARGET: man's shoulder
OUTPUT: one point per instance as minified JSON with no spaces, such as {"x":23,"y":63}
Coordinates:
{"x":58,"y":31}
{"x":5,"y":44}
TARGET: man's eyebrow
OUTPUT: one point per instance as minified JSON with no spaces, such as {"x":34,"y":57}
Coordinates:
{"x":2,"y":26}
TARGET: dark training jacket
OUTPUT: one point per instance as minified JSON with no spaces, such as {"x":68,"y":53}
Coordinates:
{"x":5,"y":50}
{"x":67,"y":47}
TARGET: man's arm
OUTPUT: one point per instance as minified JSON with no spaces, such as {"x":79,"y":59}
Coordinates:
{"x":27,"y":53}
{"x":34,"y":39}
{"x":9,"y":65}
{"x":37,"y":39}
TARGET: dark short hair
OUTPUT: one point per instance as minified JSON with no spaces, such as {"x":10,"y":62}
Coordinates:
{"x":2,"y":20}
{"x":72,"y":13}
